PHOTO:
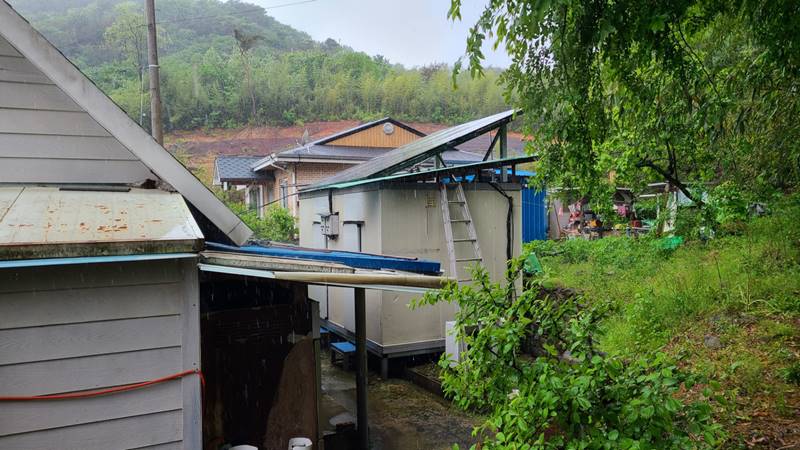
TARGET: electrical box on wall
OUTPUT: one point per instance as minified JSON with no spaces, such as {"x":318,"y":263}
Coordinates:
{"x":329,"y":224}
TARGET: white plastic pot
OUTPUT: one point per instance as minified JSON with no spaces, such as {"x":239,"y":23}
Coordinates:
{"x":299,"y":443}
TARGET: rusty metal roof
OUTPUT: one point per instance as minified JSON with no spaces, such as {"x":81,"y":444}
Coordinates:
{"x":51,"y":222}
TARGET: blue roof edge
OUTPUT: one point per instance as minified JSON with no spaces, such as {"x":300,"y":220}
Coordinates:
{"x":352,"y":259}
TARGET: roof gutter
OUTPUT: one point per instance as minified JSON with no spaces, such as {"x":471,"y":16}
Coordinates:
{"x":269,"y":161}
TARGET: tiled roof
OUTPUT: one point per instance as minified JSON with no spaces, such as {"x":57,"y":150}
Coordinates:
{"x":238,"y":168}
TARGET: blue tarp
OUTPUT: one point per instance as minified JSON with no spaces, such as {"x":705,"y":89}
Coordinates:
{"x":352,"y":259}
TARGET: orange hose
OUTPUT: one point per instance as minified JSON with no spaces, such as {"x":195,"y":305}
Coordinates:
{"x":113,"y":390}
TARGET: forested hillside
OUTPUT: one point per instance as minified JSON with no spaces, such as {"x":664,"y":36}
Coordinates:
{"x":230,"y":64}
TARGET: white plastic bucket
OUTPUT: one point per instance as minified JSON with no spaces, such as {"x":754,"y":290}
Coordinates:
{"x":299,"y":443}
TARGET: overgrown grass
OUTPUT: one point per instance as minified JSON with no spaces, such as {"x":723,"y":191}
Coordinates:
{"x":728,"y":307}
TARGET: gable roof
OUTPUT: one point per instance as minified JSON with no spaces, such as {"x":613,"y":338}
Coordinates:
{"x":330,"y":151}
{"x":234,"y":169}
{"x":106,"y":119}
{"x":365,"y":126}
{"x":420,"y":150}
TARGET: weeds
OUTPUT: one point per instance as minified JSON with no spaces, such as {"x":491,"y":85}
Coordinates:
{"x":742,"y":288}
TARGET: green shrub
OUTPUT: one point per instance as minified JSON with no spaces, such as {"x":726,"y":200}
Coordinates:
{"x":278,"y":224}
{"x":532,"y":366}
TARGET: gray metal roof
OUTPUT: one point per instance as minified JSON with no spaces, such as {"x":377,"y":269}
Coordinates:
{"x":342,"y":153}
{"x":420,"y":150}
{"x":238,"y":168}
{"x":479,"y":145}
{"x":472,"y":168}
{"x":48,"y":222}
{"x":319,"y":144}
{"x":320,"y":151}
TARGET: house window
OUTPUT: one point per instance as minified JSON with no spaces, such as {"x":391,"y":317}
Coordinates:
{"x":284,"y":194}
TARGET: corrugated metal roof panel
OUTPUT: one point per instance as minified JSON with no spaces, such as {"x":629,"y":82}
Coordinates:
{"x":420,"y":150}
{"x":457,"y":170}
{"x":352,"y":259}
{"x":261,"y":163}
{"x":48,"y":222}
{"x":338,"y":153}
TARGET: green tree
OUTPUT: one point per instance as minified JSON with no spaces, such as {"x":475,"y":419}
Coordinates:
{"x":128,"y":35}
{"x":645,"y":89}
{"x":245,"y":43}
{"x":278,"y":224}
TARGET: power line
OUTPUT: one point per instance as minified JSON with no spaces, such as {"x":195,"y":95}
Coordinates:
{"x":236,"y":13}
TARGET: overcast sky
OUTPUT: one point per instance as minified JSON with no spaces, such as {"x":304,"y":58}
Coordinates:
{"x":410,"y":32}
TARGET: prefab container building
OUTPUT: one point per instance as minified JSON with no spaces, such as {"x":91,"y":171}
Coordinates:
{"x":457,"y":215}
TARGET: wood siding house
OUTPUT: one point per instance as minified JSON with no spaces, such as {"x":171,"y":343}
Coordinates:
{"x":104,"y":283}
{"x":87,"y":322}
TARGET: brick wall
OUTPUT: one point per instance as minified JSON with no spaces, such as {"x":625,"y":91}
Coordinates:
{"x":306,"y":174}
{"x":310,"y":173}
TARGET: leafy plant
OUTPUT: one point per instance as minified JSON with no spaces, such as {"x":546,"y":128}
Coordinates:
{"x":638,"y":92}
{"x":278,"y":224}
{"x":533,"y":367}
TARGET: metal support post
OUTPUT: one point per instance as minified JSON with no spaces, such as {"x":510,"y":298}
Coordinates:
{"x":361,"y":368}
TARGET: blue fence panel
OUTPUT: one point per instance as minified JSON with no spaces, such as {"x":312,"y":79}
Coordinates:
{"x":534,"y":215}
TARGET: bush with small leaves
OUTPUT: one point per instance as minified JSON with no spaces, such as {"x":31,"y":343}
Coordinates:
{"x":532,"y":367}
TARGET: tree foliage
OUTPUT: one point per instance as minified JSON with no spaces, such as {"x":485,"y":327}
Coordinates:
{"x":212,"y":78}
{"x":277,"y":225}
{"x":685,"y":92}
{"x":532,"y":366}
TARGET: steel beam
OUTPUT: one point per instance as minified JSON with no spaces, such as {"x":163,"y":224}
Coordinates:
{"x":361,"y":368}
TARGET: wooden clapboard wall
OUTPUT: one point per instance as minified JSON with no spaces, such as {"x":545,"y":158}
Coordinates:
{"x":375,"y":137}
{"x":83,"y":327}
{"x":46,"y":137}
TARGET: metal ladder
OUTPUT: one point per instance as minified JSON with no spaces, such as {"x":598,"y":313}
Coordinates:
{"x":470,"y":253}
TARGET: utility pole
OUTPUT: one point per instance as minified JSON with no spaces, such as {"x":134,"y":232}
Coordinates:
{"x":155,"y":85}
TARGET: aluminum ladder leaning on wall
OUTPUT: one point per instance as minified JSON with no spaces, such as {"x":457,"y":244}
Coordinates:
{"x":470,"y":249}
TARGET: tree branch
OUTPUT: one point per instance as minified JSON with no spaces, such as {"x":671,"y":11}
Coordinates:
{"x":672,"y":180}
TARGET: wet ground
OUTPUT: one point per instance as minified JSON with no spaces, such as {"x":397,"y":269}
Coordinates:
{"x":402,"y":415}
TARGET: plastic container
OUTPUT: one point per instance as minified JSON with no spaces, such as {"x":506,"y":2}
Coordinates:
{"x":299,"y":443}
